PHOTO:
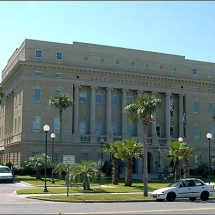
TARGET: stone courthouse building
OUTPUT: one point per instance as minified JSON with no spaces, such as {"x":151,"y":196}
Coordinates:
{"x":101,"y":80}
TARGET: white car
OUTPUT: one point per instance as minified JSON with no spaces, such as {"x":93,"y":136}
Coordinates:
{"x":191,"y":188}
{"x":6,"y":174}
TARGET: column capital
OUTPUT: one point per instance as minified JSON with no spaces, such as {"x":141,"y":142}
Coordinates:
{"x":77,"y":86}
{"x":168,"y":93}
{"x":109,"y":89}
{"x":93,"y":87}
{"x":125,"y":90}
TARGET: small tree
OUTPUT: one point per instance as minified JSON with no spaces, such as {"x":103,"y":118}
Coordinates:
{"x":37,"y":163}
{"x":86,"y":170}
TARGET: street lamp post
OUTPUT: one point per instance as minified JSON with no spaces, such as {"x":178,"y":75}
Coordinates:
{"x":101,"y":142}
{"x":209,"y":136}
{"x":46,"y":128}
{"x":52,"y":136}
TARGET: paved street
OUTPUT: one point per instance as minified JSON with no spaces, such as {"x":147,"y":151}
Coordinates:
{"x":13,"y":204}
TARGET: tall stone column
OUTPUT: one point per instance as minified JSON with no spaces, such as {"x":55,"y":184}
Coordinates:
{"x":167,"y":116}
{"x":108,"y":116}
{"x":92,"y":115}
{"x":124,"y":116}
{"x":140,"y":132}
{"x":76,"y":114}
{"x":181,"y":105}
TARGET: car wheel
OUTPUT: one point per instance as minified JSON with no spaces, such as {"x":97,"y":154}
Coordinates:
{"x":160,"y":200}
{"x":170,"y":197}
{"x":192,"y":199}
{"x":204,"y":196}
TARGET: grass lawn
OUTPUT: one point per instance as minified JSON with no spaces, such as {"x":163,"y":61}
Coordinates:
{"x":103,"y":192}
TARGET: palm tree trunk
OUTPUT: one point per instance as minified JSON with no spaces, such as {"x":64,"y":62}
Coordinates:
{"x":128,"y":174}
{"x":177,"y":169}
{"x":186,"y":170}
{"x":60,"y":138}
{"x":145,"y":159}
{"x":115,"y":175}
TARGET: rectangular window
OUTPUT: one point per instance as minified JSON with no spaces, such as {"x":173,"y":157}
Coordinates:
{"x":38,"y":53}
{"x":158,"y":131}
{"x":98,"y":128}
{"x":58,"y":75}
{"x":210,"y":74}
{"x":211,"y":108}
{"x":196,"y":89}
{"x":196,"y":106}
{"x":38,"y":73}
{"x":99,"y":98}
{"x":197,"y":160}
{"x":83,"y":97}
{"x":114,"y":100}
{"x":59,"y":56}
{"x":37,"y":94}
{"x":15,"y":126}
{"x":57,"y":91}
{"x":114,"y":128}
{"x":129,"y":99}
{"x":171,"y":131}
{"x":20,"y":94}
{"x":211,"y":130}
{"x":196,"y":131}
{"x":56,"y":124}
{"x":210,"y":90}
{"x":195,"y":72}
{"x":19,"y":124}
{"x":82,"y":127}
{"x":36,"y":123}
{"x":130,"y":130}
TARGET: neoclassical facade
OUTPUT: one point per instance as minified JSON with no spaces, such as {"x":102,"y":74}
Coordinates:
{"x":101,"y":80}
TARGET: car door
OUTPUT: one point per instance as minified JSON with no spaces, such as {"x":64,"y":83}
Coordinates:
{"x":183,"y":190}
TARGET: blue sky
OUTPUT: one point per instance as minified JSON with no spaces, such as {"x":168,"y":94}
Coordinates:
{"x":179,"y":27}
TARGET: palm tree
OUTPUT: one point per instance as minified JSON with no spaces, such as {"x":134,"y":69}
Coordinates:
{"x":112,"y":148}
{"x":86,"y":170}
{"x":1,"y":94}
{"x":129,"y":150}
{"x":61,"y":102}
{"x":141,"y":110}
{"x":175,"y":154}
{"x":186,"y":152}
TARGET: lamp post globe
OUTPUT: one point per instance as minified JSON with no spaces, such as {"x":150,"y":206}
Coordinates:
{"x":209,"y":136}
{"x":46,"y":128}
{"x":180,"y":139}
{"x":53,"y":137}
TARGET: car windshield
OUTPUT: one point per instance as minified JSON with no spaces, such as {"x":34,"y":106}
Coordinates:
{"x":174,"y":184}
{"x":4,"y":170}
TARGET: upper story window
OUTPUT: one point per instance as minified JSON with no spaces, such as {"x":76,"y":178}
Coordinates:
{"x":158,"y":131}
{"x":195,"y":72}
{"x":211,"y":108}
{"x":210,"y":74}
{"x":99,"y":98}
{"x":196,"y":89}
{"x":114,"y":128}
{"x":129,"y":99}
{"x":82,"y":127}
{"x":37,"y":94}
{"x":210,"y":90}
{"x":58,"y":75}
{"x":172,"y":131}
{"x":38,"y":53}
{"x":83,"y":97}
{"x":57,"y":91}
{"x":57,"y":125}
{"x":132,"y":63}
{"x":196,"y":107}
{"x":211,"y":130}
{"x":59,"y":56}
{"x":114,"y":100}
{"x":36,"y":123}
{"x":117,"y":62}
{"x":196,"y":132}
{"x":130,"y":130}
{"x":98,"y":128}
{"x":38,"y":73}
{"x":161,"y":67}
